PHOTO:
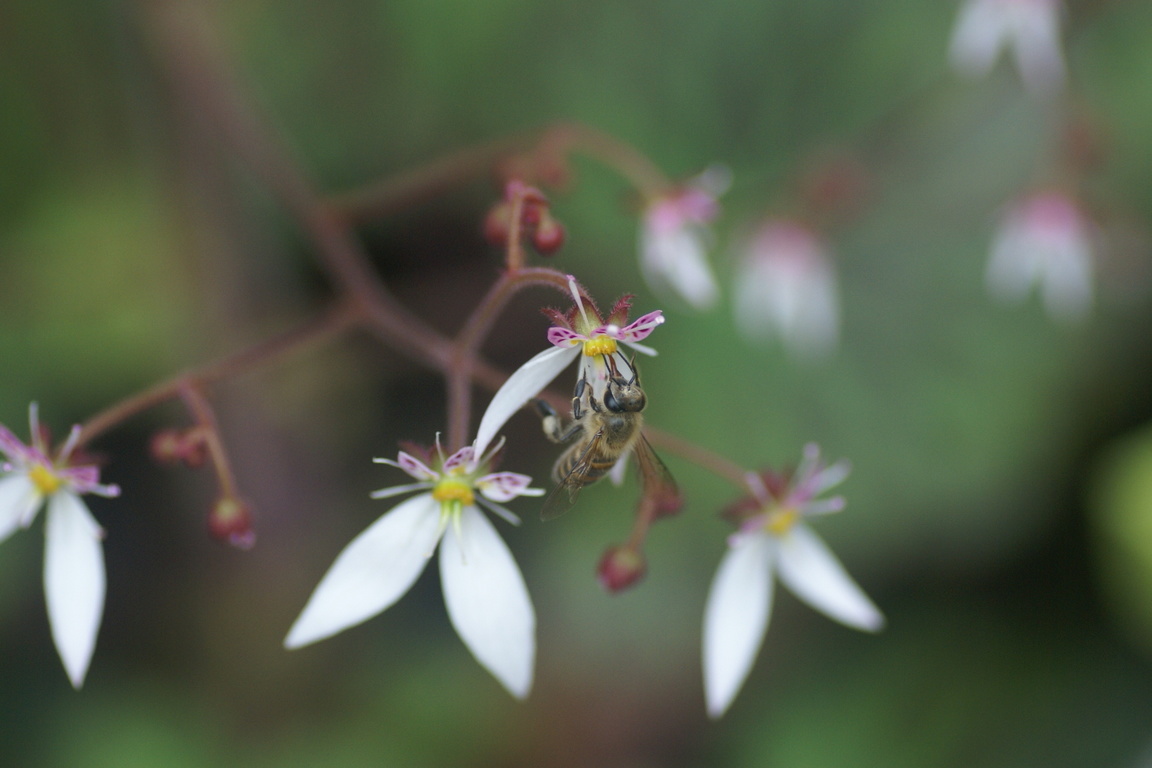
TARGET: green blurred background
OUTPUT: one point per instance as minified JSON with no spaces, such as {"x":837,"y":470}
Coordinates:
{"x":1000,"y":508}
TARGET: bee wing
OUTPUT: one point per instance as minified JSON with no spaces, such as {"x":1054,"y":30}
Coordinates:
{"x":563,"y":496}
{"x":657,"y":481}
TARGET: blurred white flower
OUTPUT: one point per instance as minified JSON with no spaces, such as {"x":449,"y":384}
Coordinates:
{"x":674,"y":238}
{"x":1044,"y":240}
{"x":1030,"y":29}
{"x":484,"y":592}
{"x":786,"y":285}
{"x":74,"y":581}
{"x":774,"y":540}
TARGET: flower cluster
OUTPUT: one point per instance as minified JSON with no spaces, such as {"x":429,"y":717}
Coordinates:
{"x":74,"y":581}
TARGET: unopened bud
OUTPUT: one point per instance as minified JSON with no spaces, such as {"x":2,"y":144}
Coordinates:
{"x":620,"y":568}
{"x":549,"y":235}
{"x":166,"y":446}
{"x":497,"y":224}
{"x":171,"y":445}
{"x":231,"y":520}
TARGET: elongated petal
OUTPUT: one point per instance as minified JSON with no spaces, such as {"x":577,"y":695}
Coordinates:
{"x":639,"y":328}
{"x":488,"y":602}
{"x":372,"y":572}
{"x":564,"y":337}
{"x":73,"y":581}
{"x":812,"y":572}
{"x":505,"y":486}
{"x":736,"y":618}
{"x":19,"y":501}
{"x":525,"y":383}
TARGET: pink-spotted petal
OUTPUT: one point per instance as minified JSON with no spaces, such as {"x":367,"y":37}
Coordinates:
{"x":73,"y":581}
{"x":639,"y":328}
{"x":736,"y":618}
{"x":524,"y":384}
{"x":413,"y":466}
{"x":810,"y":570}
{"x":505,"y":486}
{"x":19,"y":502}
{"x":488,"y":602}
{"x":563,"y":337}
{"x":372,"y":573}
{"x":462,"y":458}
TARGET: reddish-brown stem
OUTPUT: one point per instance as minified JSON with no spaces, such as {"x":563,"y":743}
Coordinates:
{"x":205,"y":418}
{"x":701,"y":457}
{"x":332,"y":324}
{"x":472,"y":335}
{"x":633,"y":165}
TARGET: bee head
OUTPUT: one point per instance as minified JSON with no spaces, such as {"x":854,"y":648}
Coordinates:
{"x":622,"y":396}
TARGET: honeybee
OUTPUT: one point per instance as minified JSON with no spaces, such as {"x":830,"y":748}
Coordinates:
{"x":609,"y":429}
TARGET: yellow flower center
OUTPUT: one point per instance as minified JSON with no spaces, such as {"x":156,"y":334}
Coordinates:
{"x":44,"y":480}
{"x":781,"y":520}
{"x":451,"y":490}
{"x":601,"y":345}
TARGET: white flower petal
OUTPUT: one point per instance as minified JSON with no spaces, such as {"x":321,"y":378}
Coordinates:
{"x":1039,"y":55}
{"x":676,"y":259}
{"x":19,"y":501}
{"x":736,"y":618}
{"x":488,"y":602}
{"x":73,"y":581}
{"x":525,"y":383}
{"x":981,"y":30}
{"x":812,"y":572}
{"x":1068,"y":280}
{"x":372,"y":572}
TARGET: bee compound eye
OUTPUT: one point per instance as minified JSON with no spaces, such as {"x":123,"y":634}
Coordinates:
{"x":610,"y":401}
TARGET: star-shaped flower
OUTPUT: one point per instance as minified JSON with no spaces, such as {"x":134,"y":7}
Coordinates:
{"x":1044,"y":240}
{"x":74,"y":581}
{"x":774,"y":539}
{"x":674,"y":238}
{"x":580,"y":334}
{"x":484,"y":592}
{"x":786,"y":285}
{"x":1030,"y":29}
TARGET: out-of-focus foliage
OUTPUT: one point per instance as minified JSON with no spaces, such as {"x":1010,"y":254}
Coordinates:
{"x":133,"y":246}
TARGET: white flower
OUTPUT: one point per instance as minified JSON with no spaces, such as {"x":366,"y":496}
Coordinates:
{"x":487,"y":601}
{"x":674,"y":237}
{"x":582,"y":330}
{"x":1030,"y":28}
{"x":773,"y":539}
{"x":74,"y":579}
{"x":1044,"y":240}
{"x":786,"y":285}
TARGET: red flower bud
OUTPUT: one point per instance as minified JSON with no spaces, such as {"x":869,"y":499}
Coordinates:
{"x":497,"y":224}
{"x":620,"y":568}
{"x":549,"y":235}
{"x":231,"y":520}
{"x":166,"y":446}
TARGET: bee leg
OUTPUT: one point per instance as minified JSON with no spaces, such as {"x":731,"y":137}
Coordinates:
{"x":578,"y":397}
{"x":550,"y":420}
{"x":552,"y":425}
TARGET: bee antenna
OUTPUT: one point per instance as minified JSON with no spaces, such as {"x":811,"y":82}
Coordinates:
{"x":635,"y":373}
